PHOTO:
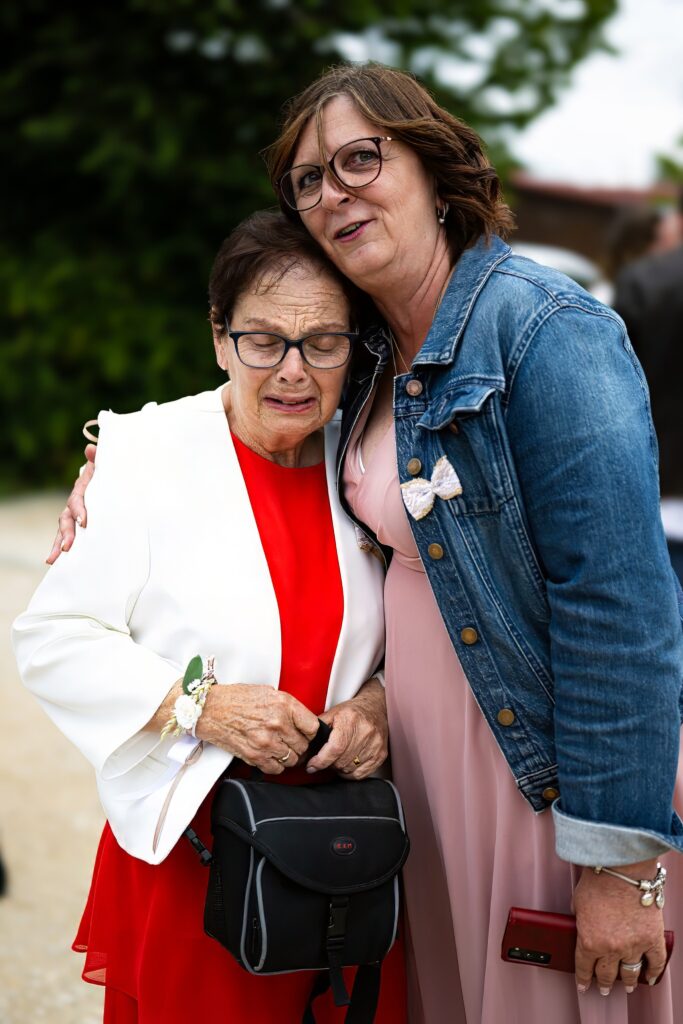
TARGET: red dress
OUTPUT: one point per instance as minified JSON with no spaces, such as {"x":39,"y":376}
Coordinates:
{"x":142,"y":928}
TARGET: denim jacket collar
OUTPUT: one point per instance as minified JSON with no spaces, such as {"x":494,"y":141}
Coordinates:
{"x":471,"y":273}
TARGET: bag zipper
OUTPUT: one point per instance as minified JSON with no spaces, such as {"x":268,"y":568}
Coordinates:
{"x":255,"y":939}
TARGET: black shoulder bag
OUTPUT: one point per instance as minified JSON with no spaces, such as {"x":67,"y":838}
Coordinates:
{"x":306,"y":878}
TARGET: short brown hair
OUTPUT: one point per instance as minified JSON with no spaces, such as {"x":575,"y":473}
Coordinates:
{"x":400,"y":105}
{"x":265,"y":242}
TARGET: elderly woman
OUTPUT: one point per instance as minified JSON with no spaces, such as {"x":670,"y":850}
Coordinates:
{"x":497,"y":443}
{"x":272,"y":583}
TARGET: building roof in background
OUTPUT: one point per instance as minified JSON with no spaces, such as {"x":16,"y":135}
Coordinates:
{"x":664,"y":192}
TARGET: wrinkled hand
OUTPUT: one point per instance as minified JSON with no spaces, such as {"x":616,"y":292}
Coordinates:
{"x":258,"y":724}
{"x":615,"y":929}
{"x":75,"y":510}
{"x":359,"y":730}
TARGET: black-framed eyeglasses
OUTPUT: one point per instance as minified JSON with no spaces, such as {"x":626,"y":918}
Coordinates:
{"x":263,"y":351}
{"x":354,"y":165}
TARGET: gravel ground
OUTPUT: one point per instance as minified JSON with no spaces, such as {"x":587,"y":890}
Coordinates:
{"x":50,"y":817}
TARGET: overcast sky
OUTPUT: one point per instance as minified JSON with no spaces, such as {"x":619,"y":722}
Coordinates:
{"x":619,"y":111}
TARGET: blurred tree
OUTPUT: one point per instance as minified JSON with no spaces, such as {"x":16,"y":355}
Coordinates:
{"x":670,"y":165}
{"x":131,"y":132}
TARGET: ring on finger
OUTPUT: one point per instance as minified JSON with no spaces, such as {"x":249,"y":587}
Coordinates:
{"x":631,"y":967}
{"x":356,"y":761}
{"x":285,"y":759}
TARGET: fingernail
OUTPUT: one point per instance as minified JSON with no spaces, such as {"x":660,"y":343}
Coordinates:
{"x":630,"y":988}
{"x":582,"y":989}
{"x":63,"y":547}
{"x":652,"y":981}
{"x":604,"y":991}
{"x":311,"y":771}
{"x":79,"y":520}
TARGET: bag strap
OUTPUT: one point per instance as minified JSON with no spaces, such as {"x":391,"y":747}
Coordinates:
{"x":334,"y":944}
{"x":364,"y":997}
{"x":363,"y":1002}
{"x":320,"y":985}
{"x":204,"y":854}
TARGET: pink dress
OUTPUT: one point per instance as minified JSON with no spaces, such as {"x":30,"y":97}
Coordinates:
{"x":476,"y":847}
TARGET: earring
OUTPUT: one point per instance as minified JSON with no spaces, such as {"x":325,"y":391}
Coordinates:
{"x":441,"y":213}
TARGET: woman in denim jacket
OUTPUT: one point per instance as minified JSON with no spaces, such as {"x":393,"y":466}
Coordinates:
{"x":497,"y":443}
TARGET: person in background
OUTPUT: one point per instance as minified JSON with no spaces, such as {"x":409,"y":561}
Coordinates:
{"x":635,"y":231}
{"x":649,"y":297}
{"x":272,"y":584}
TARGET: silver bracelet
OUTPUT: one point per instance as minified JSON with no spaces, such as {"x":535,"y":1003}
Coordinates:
{"x":653,"y":891}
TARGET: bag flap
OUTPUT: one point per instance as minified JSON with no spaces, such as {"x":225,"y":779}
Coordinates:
{"x":334,"y":855}
{"x":337,"y":838}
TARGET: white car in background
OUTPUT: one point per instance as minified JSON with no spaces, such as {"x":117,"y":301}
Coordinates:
{"x":573,"y":264}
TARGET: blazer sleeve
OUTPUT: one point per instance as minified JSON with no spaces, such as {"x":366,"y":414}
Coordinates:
{"x":74,"y":644}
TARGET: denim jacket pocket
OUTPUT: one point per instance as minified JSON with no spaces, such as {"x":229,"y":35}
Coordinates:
{"x":467,"y":397}
{"x":466,"y":422}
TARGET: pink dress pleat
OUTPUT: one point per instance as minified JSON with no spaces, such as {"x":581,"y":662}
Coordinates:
{"x":476,"y":847}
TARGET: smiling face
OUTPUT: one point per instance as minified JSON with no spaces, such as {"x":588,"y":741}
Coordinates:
{"x":279,"y":412}
{"x":377,"y":234}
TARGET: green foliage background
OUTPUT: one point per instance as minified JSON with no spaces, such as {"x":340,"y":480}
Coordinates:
{"x":130,"y":139}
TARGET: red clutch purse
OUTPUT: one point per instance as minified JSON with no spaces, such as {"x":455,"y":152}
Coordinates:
{"x":549,"y":940}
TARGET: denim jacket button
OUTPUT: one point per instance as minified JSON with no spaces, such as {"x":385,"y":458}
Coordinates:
{"x":505,"y":716}
{"x":414,"y":388}
{"x":550,"y":794}
{"x":453,"y":427}
{"x":413,"y":466}
{"x":468,"y":635}
{"x":435,"y":551}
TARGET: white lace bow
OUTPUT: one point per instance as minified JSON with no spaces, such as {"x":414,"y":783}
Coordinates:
{"x":419,"y":494}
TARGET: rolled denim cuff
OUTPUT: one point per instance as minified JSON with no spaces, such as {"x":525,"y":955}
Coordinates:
{"x":599,"y":842}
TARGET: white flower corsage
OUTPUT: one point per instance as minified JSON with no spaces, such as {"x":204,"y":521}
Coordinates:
{"x":188,"y":707}
{"x":187,"y":712}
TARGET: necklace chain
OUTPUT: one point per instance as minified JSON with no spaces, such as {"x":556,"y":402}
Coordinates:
{"x":394,"y":350}
{"x":394,"y":344}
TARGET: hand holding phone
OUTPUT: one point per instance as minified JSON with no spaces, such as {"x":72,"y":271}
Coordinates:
{"x":548,"y":940}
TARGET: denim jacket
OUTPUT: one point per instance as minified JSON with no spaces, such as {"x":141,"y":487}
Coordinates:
{"x":550,"y":569}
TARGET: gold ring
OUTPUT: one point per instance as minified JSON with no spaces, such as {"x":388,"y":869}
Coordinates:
{"x":356,"y":761}
{"x":285,"y":759}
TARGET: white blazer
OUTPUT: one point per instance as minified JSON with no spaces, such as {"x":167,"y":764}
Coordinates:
{"x":171,"y":565}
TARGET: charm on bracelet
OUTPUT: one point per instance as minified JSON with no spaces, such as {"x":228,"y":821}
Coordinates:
{"x":652,"y":889}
